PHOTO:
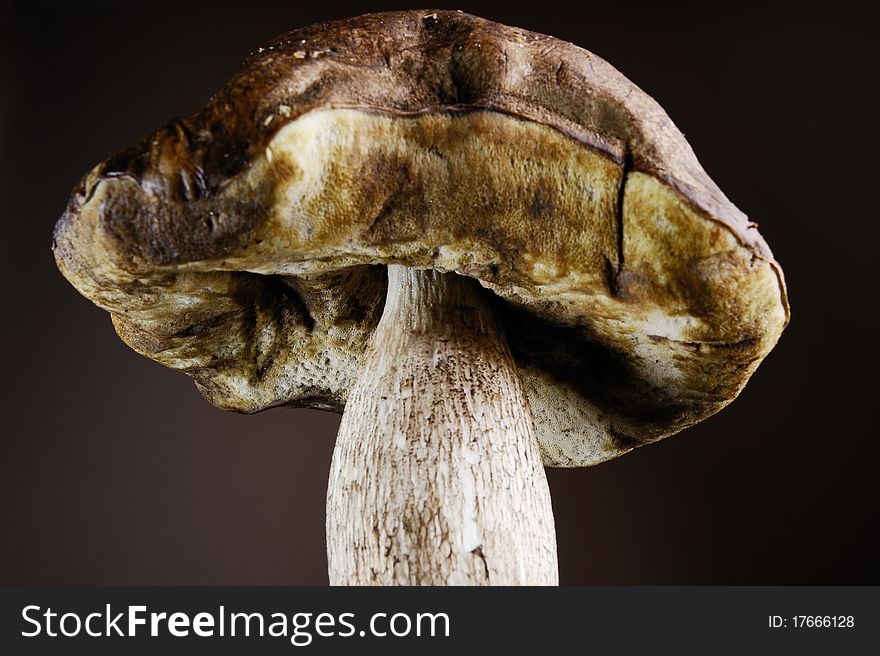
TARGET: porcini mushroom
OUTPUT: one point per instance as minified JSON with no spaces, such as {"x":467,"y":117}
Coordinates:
{"x":487,"y":246}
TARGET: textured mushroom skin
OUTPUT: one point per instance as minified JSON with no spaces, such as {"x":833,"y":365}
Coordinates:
{"x":244,"y":244}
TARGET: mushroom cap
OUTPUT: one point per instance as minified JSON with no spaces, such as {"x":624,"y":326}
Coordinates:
{"x":246,"y":244}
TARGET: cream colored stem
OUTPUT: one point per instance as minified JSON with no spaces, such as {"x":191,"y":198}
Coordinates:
{"x":437,"y":477}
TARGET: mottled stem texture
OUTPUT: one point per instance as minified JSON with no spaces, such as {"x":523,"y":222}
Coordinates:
{"x":437,"y":477}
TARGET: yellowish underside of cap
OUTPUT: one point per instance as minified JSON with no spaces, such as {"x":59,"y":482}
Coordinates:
{"x":534,"y":215}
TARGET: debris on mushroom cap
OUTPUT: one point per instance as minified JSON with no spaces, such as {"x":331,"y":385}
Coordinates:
{"x":248,"y":251}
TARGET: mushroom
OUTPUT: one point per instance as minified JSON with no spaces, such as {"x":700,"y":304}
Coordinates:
{"x":485,"y":245}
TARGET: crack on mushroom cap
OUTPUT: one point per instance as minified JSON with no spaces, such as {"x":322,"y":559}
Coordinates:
{"x":240,"y":269}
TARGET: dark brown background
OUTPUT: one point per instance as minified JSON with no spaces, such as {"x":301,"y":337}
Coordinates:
{"x":114,"y":470}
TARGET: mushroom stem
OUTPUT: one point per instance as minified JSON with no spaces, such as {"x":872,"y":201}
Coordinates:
{"x":437,"y":477}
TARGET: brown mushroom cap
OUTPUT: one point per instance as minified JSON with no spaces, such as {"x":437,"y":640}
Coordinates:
{"x":245,"y":244}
